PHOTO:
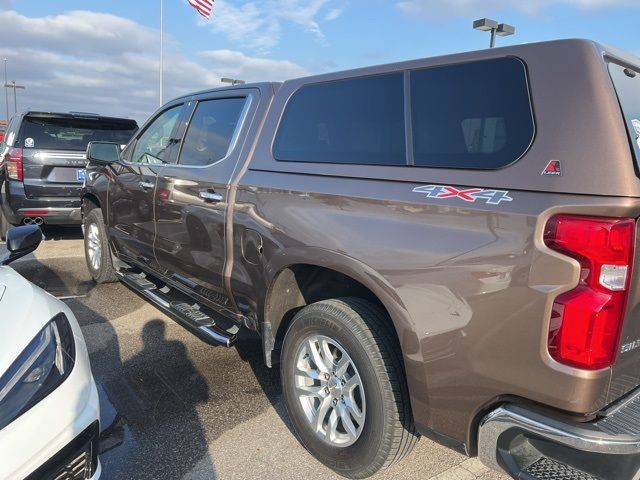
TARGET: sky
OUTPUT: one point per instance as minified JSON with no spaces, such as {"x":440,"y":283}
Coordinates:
{"x":102,"y":56}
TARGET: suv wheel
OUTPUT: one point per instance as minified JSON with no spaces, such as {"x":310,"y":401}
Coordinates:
{"x":343,"y":383}
{"x":96,"y":248}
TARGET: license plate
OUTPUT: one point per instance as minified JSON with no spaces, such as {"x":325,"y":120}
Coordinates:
{"x":81,"y":174}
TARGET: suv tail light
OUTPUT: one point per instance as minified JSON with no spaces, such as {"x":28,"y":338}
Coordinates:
{"x":14,"y":164}
{"x":586,"y":321}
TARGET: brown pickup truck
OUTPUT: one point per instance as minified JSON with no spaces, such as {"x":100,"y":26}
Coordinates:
{"x":442,"y":247}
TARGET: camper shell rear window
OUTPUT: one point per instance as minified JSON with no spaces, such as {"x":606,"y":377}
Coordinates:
{"x":627,"y":85}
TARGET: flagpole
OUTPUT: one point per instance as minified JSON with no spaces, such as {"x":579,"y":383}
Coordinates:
{"x":161,"y":49}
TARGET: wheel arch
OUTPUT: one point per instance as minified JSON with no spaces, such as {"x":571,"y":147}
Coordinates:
{"x":300,"y":277}
{"x":95,"y":193}
{"x":89,"y":202}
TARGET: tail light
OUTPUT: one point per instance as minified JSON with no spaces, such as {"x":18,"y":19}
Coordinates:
{"x":14,"y":164}
{"x":586,"y":321}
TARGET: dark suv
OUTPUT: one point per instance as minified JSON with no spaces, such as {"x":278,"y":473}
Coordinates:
{"x":42,"y":162}
{"x":447,"y":246}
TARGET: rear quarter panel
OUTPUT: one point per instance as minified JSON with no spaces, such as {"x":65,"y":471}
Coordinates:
{"x":469,"y":288}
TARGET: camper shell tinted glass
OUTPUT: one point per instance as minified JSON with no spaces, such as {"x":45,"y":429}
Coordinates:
{"x":357,"y":120}
{"x":627,"y":84}
{"x":474,"y":115}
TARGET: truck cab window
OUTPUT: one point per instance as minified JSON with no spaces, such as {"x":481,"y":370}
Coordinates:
{"x":211,"y":130}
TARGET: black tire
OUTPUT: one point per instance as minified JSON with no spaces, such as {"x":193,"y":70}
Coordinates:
{"x":4,"y":227}
{"x":366,"y":334}
{"x":104,"y":271}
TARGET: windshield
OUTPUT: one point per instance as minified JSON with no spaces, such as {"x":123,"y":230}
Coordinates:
{"x":627,"y":83}
{"x":73,"y":133}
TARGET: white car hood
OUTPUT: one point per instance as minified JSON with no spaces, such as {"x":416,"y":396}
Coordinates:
{"x":24,"y":310}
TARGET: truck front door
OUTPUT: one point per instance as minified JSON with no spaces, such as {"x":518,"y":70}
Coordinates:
{"x":131,"y":191}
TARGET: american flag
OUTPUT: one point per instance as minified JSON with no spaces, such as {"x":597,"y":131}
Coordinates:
{"x":203,"y":7}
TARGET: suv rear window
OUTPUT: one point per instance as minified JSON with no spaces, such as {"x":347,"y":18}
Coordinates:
{"x":627,"y":83}
{"x":72,"y":133}
{"x":357,"y":120}
{"x":473,"y":115}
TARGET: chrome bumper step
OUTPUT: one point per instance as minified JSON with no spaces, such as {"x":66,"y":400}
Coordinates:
{"x":537,"y":445}
{"x":199,"y":320}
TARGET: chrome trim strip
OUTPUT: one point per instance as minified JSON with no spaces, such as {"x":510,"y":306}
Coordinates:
{"x":50,"y":209}
{"x":65,"y":156}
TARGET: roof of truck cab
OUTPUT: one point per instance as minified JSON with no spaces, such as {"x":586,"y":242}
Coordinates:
{"x":273,"y":86}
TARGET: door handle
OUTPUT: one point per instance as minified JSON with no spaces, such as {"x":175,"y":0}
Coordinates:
{"x":209,"y":196}
{"x":146,"y":185}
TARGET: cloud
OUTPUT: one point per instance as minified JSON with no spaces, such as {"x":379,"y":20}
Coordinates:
{"x":238,"y":65}
{"x":332,"y":14}
{"x":115,"y":71}
{"x":258,"y":24}
{"x":453,"y":8}
{"x":99,"y":32}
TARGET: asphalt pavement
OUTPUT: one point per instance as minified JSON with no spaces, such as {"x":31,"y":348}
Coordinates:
{"x":174,"y":407}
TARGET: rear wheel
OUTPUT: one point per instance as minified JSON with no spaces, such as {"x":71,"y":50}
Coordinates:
{"x":96,"y":248}
{"x":343,"y":384}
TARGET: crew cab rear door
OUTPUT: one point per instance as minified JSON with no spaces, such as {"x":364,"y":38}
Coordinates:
{"x":191,"y":200}
{"x":53,"y":150}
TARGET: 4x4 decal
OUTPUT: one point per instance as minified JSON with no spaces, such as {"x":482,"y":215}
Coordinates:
{"x":491,"y":197}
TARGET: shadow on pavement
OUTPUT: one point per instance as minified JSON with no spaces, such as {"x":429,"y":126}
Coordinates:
{"x":250,"y":351}
{"x":165,"y":395}
{"x":149,"y":423}
{"x":159,"y":426}
{"x":59,"y":232}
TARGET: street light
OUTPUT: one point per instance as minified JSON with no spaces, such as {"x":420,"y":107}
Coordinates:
{"x":499,"y":29}
{"x":232,"y":81}
{"x":15,"y":95}
{"x":6,"y":90}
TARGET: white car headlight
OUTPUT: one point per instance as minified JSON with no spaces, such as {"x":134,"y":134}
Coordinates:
{"x":39,"y":369}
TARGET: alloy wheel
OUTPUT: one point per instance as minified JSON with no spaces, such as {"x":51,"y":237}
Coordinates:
{"x":330,"y":391}
{"x":94,"y":247}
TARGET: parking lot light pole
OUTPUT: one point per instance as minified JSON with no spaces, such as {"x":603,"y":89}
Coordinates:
{"x":496,"y":29}
{"x":15,"y":95}
{"x":161,"y":51}
{"x":6,"y":89}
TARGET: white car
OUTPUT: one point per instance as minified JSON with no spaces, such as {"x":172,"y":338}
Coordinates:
{"x":49,"y":410}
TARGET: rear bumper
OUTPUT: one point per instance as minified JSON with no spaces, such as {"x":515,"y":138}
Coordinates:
{"x":17,"y":207}
{"x":531,"y":445}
